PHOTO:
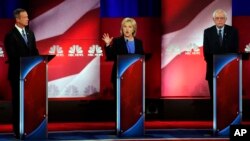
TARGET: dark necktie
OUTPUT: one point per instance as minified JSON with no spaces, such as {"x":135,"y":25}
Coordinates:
{"x":24,"y":36}
{"x":220,"y":37}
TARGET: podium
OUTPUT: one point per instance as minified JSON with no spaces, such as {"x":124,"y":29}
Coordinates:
{"x":33,"y":115}
{"x":227,"y":92}
{"x":130,"y":111}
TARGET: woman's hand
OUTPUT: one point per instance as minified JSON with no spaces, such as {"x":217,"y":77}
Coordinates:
{"x":107,"y":39}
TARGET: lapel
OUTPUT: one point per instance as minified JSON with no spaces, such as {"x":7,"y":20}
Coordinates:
{"x":20,"y":37}
{"x":136,"y":46}
{"x":124,"y":46}
{"x":226,"y":33}
{"x":28,"y":35}
{"x":216,"y":36}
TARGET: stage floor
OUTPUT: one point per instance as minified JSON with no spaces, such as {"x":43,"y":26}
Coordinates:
{"x":169,"y":134}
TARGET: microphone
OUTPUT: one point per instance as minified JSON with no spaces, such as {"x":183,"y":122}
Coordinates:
{"x":126,"y":42}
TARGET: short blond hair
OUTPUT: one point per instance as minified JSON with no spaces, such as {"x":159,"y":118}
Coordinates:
{"x":133,"y":23}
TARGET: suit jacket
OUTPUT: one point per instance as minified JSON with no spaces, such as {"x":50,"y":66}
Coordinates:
{"x":211,"y":45}
{"x":119,"y":47}
{"x":16,"y":47}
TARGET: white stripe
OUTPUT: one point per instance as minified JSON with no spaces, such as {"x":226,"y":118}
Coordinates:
{"x":59,"y":19}
{"x":77,"y":85}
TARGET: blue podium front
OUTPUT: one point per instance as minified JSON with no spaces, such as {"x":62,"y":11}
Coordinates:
{"x":130,"y":112}
{"x":227,"y":90}
{"x":33,"y":115}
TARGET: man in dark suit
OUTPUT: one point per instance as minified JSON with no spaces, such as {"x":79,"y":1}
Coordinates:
{"x":19,"y":42}
{"x":218,"y":39}
{"x":127,"y":43}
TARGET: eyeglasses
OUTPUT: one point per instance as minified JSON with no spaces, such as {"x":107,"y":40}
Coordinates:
{"x":219,"y":18}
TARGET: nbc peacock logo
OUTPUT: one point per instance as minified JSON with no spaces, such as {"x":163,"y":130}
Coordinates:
{"x":56,"y":50}
{"x":192,"y":49}
{"x":1,"y":52}
{"x":95,"y":50}
{"x":247,"y":48}
{"x":75,"y":50}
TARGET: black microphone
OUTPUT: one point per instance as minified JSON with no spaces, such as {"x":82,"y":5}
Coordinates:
{"x":126,"y":42}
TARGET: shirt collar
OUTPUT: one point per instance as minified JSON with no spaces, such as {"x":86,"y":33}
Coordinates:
{"x":19,"y":29}
{"x":126,"y":39}
{"x":222,"y":29}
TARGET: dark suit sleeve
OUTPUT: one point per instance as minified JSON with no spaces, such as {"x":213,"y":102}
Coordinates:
{"x":206,"y":49}
{"x":9,"y":44}
{"x":111,"y":51}
{"x":235,"y":40}
{"x":140,"y":47}
{"x":13,"y":56}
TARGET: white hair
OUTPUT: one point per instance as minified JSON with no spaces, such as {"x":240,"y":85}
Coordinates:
{"x":218,"y":11}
